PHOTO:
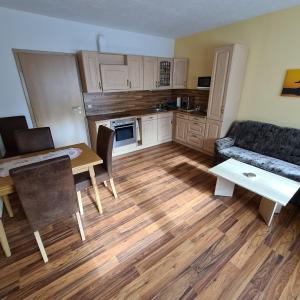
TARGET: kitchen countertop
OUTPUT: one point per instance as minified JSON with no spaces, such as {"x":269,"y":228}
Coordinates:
{"x":137,"y":113}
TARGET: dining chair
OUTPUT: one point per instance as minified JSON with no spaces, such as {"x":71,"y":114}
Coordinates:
{"x":7,"y":127}
{"x":33,"y":140}
{"x":47,"y":193}
{"x":103,"y":172}
{"x":3,"y":238}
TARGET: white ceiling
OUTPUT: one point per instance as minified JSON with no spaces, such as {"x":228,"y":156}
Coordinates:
{"x":168,"y":18}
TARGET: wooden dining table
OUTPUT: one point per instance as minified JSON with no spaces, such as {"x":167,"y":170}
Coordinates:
{"x":84,"y":162}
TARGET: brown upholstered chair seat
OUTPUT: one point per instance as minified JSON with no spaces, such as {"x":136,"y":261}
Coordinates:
{"x":83,"y":180}
{"x":47,"y":193}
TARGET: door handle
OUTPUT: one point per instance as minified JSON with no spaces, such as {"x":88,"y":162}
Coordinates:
{"x":77,"y":109}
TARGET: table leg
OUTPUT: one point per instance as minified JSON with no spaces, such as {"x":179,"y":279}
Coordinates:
{"x":94,"y":183}
{"x":224,"y":187}
{"x":267,"y":209}
{"x":3,"y":240}
{"x":7,"y":205}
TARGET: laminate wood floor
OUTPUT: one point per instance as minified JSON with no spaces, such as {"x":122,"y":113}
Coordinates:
{"x":166,"y":237}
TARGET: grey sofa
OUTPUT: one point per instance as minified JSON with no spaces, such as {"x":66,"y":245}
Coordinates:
{"x":266,"y":146}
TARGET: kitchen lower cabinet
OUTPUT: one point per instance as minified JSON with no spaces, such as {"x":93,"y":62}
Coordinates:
{"x":181,"y":130}
{"x":149,"y":130}
{"x":212,"y":132}
{"x":164,"y":128}
{"x":195,"y":140}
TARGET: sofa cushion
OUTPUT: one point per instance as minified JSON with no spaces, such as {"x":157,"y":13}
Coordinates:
{"x":262,"y":161}
{"x":267,"y":139}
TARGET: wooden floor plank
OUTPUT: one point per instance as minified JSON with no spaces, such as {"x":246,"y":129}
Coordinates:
{"x":166,"y":237}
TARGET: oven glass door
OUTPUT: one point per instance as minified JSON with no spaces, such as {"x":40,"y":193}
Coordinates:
{"x":125,"y":135}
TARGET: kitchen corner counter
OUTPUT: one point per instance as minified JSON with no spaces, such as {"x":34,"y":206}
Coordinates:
{"x":138,"y":113}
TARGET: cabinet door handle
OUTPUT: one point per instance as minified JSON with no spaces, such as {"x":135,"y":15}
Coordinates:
{"x":130,"y":84}
{"x":222,"y":109}
{"x":100,"y":85}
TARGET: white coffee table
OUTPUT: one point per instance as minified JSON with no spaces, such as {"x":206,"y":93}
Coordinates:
{"x":276,"y":191}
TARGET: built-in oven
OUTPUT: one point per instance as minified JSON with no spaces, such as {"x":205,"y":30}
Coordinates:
{"x":125,"y":131}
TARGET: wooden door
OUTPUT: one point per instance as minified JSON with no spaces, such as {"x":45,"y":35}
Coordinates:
{"x":135,"y":72}
{"x":149,"y":132}
{"x":90,"y":71}
{"x":114,"y":77}
{"x":165,"y":71}
{"x":51,"y":82}
{"x":150,"y":73}
{"x":180,"y":73}
{"x":217,"y":96}
{"x":164,"y":129}
{"x":181,"y":130}
{"x":212,"y":132}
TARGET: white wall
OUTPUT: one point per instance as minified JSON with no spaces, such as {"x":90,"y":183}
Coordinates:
{"x":35,"y":32}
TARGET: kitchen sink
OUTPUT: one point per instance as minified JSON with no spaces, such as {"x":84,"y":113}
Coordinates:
{"x":158,"y":109}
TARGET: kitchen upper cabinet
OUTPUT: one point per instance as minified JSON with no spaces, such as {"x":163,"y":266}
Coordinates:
{"x":114,"y":77}
{"x":212,"y":132}
{"x":165,"y":73}
{"x":180,"y":73}
{"x":181,"y":130}
{"x":149,"y":130}
{"x":90,"y":71}
{"x":164,"y":127}
{"x":135,"y":72}
{"x":150,"y":73}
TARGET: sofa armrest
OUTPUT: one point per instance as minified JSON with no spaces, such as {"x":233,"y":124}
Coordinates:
{"x":223,"y":143}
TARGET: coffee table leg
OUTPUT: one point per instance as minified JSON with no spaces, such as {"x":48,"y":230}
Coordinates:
{"x":224,"y":187}
{"x":278,"y":208}
{"x":267,"y":209}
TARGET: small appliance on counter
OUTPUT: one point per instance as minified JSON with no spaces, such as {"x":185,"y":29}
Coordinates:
{"x":204,"y":83}
{"x":187,"y":104}
{"x":178,"y":102}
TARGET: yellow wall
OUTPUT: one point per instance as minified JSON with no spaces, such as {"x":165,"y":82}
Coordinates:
{"x":274,"y":47}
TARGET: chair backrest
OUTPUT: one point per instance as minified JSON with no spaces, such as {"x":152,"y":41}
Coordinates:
{"x":7,"y":127}
{"x":33,"y":140}
{"x":105,"y":140}
{"x":46,"y":190}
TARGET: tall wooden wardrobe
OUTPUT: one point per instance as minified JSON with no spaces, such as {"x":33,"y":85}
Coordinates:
{"x":225,"y":92}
